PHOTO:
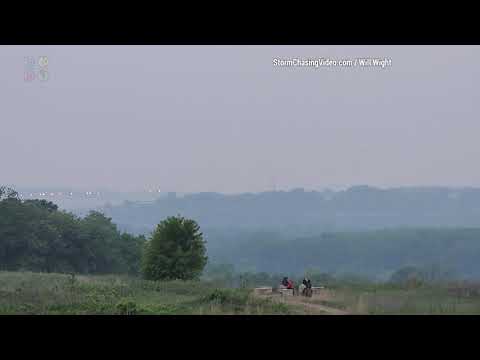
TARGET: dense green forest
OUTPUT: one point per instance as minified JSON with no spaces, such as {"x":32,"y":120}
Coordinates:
{"x":35,"y":235}
{"x":376,"y":254}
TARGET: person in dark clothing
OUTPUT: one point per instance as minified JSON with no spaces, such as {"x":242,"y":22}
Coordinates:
{"x":308,"y":289}
{"x":304,"y":287}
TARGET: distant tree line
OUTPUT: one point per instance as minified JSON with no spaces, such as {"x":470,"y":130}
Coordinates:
{"x":301,"y":213}
{"x":361,"y":230}
{"x":227,"y":275}
{"x":406,"y":277}
{"x":375,"y":254}
{"x":35,"y":235}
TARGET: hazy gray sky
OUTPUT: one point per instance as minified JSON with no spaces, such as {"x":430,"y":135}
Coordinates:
{"x":224,"y":118}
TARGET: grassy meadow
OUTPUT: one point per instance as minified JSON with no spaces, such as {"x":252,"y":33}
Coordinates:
{"x":63,"y":294}
{"x":387,"y":299}
{"x":53,"y":294}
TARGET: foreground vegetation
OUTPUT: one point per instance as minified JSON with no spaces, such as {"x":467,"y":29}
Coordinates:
{"x":42,"y":294}
{"x":455,"y":298}
{"x":63,"y":294}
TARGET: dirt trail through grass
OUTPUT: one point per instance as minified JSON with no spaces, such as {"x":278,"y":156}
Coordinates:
{"x":315,"y":308}
{"x":309,"y":307}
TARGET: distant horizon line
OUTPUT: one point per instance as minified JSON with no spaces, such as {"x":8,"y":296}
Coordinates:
{"x":152,"y":190}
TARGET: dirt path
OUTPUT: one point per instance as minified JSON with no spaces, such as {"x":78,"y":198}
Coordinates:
{"x":309,"y":307}
{"x":315,"y":308}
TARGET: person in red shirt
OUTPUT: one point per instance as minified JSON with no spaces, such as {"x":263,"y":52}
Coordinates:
{"x":289,"y":284}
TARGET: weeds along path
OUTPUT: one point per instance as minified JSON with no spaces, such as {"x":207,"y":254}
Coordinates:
{"x":309,"y":307}
{"x":316,"y":308}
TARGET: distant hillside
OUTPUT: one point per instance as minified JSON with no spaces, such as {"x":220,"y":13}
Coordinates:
{"x":375,"y":253}
{"x":311,"y":212}
{"x":362,"y":230}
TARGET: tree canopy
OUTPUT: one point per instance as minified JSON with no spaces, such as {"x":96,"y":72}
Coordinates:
{"x":176,"y":250}
{"x":36,"y":236}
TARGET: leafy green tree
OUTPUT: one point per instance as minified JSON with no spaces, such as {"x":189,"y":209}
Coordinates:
{"x":36,"y":236}
{"x":176,"y":250}
{"x":46,"y":243}
{"x":129,"y":252}
{"x":7,"y":193}
{"x":44,"y":204}
{"x":100,"y":237}
{"x":16,"y":232}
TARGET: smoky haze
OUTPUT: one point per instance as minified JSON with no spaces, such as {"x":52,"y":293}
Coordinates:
{"x":225,"y":119}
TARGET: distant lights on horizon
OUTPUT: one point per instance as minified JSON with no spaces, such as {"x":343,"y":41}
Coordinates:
{"x":71,"y":193}
{"x":51,"y":194}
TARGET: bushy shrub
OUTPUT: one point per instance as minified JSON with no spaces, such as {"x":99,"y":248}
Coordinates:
{"x":176,"y":250}
{"x":236,"y":297}
{"x":127,"y":307}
